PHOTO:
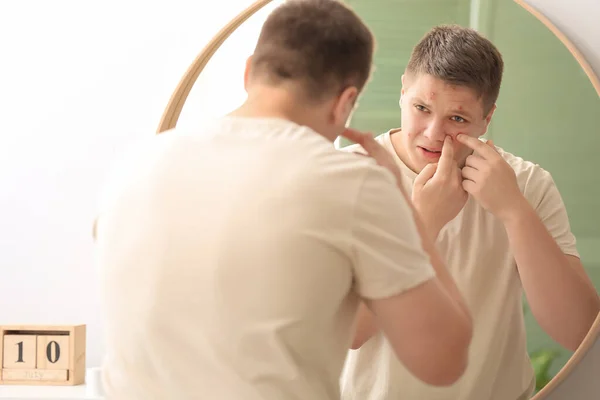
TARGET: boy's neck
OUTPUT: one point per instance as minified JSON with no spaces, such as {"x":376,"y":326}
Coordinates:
{"x":268,"y":102}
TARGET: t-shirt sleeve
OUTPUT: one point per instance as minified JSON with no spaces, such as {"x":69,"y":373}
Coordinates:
{"x":551,"y":209}
{"x":387,"y":251}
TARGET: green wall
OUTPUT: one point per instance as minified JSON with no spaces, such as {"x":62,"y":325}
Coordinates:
{"x":548,"y":111}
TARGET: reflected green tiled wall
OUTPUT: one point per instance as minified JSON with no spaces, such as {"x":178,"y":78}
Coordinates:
{"x":548,"y":111}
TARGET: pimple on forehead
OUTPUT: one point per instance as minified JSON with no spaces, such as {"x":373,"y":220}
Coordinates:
{"x":431,"y":95}
{"x":460,"y":108}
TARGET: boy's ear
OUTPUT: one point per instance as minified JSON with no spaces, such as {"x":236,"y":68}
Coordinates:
{"x":403,"y":84}
{"x":402,"y":90}
{"x":488,"y":119}
{"x":247,"y":72}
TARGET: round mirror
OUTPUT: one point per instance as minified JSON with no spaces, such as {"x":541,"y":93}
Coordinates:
{"x":547,"y":113}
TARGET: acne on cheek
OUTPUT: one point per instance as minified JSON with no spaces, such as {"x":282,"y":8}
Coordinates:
{"x":412,"y":135}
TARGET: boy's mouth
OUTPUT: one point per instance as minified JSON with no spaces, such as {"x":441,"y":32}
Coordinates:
{"x":429,"y":153}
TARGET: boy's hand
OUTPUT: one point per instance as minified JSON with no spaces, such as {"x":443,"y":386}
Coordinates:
{"x":489,"y":179}
{"x":438,"y":194}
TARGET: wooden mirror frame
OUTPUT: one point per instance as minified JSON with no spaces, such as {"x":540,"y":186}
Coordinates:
{"x":178,"y":98}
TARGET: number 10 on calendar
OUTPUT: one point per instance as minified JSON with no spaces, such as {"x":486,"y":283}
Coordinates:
{"x":42,"y":355}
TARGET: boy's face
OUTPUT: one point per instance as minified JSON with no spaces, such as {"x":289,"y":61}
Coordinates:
{"x":433,"y":109}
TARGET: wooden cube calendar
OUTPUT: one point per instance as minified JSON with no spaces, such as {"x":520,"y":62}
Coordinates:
{"x":42,"y":355}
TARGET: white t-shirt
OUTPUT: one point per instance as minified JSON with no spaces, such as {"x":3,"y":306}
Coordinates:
{"x":476,"y":249}
{"x":233,"y":258}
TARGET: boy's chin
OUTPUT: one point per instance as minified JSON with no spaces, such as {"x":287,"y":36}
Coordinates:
{"x":419,"y":165}
{"x":421,"y":162}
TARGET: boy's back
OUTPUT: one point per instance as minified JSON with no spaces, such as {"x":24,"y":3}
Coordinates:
{"x":233,"y":259}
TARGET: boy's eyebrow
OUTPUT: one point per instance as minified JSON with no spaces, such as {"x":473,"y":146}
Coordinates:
{"x":461,"y":112}
{"x":419,"y":100}
{"x":464,"y":112}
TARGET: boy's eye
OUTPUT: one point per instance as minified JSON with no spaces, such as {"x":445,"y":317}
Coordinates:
{"x":420,"y":107}
{"x":456,"y":118}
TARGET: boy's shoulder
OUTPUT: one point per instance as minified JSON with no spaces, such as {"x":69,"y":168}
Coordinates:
{"x":522,"y":167}
{"x":533,"y":180}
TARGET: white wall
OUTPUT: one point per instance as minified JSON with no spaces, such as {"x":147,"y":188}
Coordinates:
{"x":79,"y":80}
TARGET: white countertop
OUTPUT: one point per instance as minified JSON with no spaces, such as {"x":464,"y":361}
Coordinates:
{"x":78,"y":392}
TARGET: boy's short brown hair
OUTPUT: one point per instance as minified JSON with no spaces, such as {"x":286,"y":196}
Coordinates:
{"x":460,"y":56}
{"x":321,"y":43}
